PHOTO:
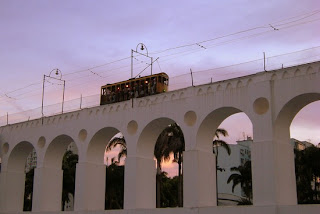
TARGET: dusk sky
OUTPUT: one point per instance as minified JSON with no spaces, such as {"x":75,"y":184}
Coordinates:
{"x":82,"y":38}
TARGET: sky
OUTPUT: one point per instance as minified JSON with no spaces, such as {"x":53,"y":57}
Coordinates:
{"x":90,"y":43}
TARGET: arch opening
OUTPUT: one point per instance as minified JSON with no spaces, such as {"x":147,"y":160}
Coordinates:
{"x":62,"y":157}
{"x":108,"y":148}
{"x":20,"y":167}
{"x":115,"y":156}
{"x":227,"y":133}
{"x":162,"y":141}
{"x":305,"y":140}
{"x":286,"y":129}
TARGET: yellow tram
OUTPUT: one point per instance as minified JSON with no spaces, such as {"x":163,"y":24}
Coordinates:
{"x":134,"y":88}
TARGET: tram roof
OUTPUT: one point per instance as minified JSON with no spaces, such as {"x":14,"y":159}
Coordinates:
{"x":135,"y":79}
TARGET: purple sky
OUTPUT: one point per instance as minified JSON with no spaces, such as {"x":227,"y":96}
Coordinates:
{"x":75,"y":35}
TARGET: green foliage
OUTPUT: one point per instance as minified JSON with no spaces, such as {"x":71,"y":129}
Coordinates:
{"x":118,"y":141}
{"x":114,"y":187}
{"x":69,"y":163}
{"x":170,"y":141}
{"x":242,"y":177}
{"x":307,"y":167}
{"x":169,"y":191}
{"x":217,"y":142}
{"x":27,"y":205}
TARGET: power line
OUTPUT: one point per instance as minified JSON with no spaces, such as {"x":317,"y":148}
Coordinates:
{"x":187,"y":45}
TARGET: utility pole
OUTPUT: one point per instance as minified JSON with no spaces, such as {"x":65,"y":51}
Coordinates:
{"x":58,"y":77}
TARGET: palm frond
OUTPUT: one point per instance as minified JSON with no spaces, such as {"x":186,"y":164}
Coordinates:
{"x":116,"y":141}
{"x":221,"y":131}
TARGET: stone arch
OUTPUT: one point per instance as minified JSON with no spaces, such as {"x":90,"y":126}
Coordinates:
{"x":310,"y":70}
{"x":229,"y":86}
{"x":219,"y":87}
{"x":149,"y":135}
{"x":15,"y":174}
{"x":164,"y":98}
{"x":210,"y":123}
{"x":173,"y":97}
{"x":297,"y":73}
{"x":181,"y":95}
{"x":204,"y":147}
{"x":239,"y":84}
{"x":144,"y":167}
{"x":98,"y":143}
{"x":281,"y":138}
{"x":96,"y":188}
{"x":274,"y":76}
{"x":199,"y":92}
{"x":289,"y":111}
{"x":49,"y":178}
{"x":285,"y":75}
{"x":209,"y":90}
{"x":18,"y":155}
{"x":56,"y":150}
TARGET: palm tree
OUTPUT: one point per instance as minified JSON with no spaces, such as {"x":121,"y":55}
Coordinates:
{"x":161,"y":152}
{"x":243,"y":177}
{"x":27,"y":205}
{"x":170,"y":141}
{"x":176,"y":145}
{"x":69,"y":163}
{"x":118,"y":141}
{"x":216,"y":143}
{"x":307,"y":168}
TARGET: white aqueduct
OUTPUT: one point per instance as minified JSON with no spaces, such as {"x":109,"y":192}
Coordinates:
{"x":270,"y":99}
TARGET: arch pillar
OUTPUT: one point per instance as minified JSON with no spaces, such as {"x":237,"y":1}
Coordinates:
{"x":140,"y":183}
{"x":273,"y":172}
{"x":47,"y":190}
{"x":12,"y":191}
{"x":199,"y":179}
{"x":90,"y":186}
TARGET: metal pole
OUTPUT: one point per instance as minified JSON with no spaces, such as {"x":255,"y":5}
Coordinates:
{"x":7,"y":118}
{"x":264,"y":61}
{"x":191,"y":77}
{"x":131,"y":63}
{"x":151,"y":64}
{"x":44,"y":79}
{"x":81,"y":101}
{"x":64,"y":85}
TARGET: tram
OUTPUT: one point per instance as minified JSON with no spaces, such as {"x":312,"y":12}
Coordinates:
{"x":134,"y":88}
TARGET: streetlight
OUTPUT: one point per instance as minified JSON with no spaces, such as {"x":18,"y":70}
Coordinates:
{"x":142,"y":48}
{"x":58,"y":76}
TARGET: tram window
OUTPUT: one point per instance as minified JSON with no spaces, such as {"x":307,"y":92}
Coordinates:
{"x":159,"y":79}
{"x":113,"y":88}
{"x":165,"y":81}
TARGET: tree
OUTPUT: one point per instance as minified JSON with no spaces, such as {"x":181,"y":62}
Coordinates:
{"x":169,"y":191}
{"x":69,"y":163}
{"x":27,"y":205}
{"x":114,"y":186}
{"x":216,"y":143}
{"x":170,"y":141}
{"x":243,"y":177}
{"x":307,"y":167}
{"x":118,"y":141}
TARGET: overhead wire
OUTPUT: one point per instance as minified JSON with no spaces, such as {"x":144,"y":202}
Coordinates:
{"x":194,"y":50}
